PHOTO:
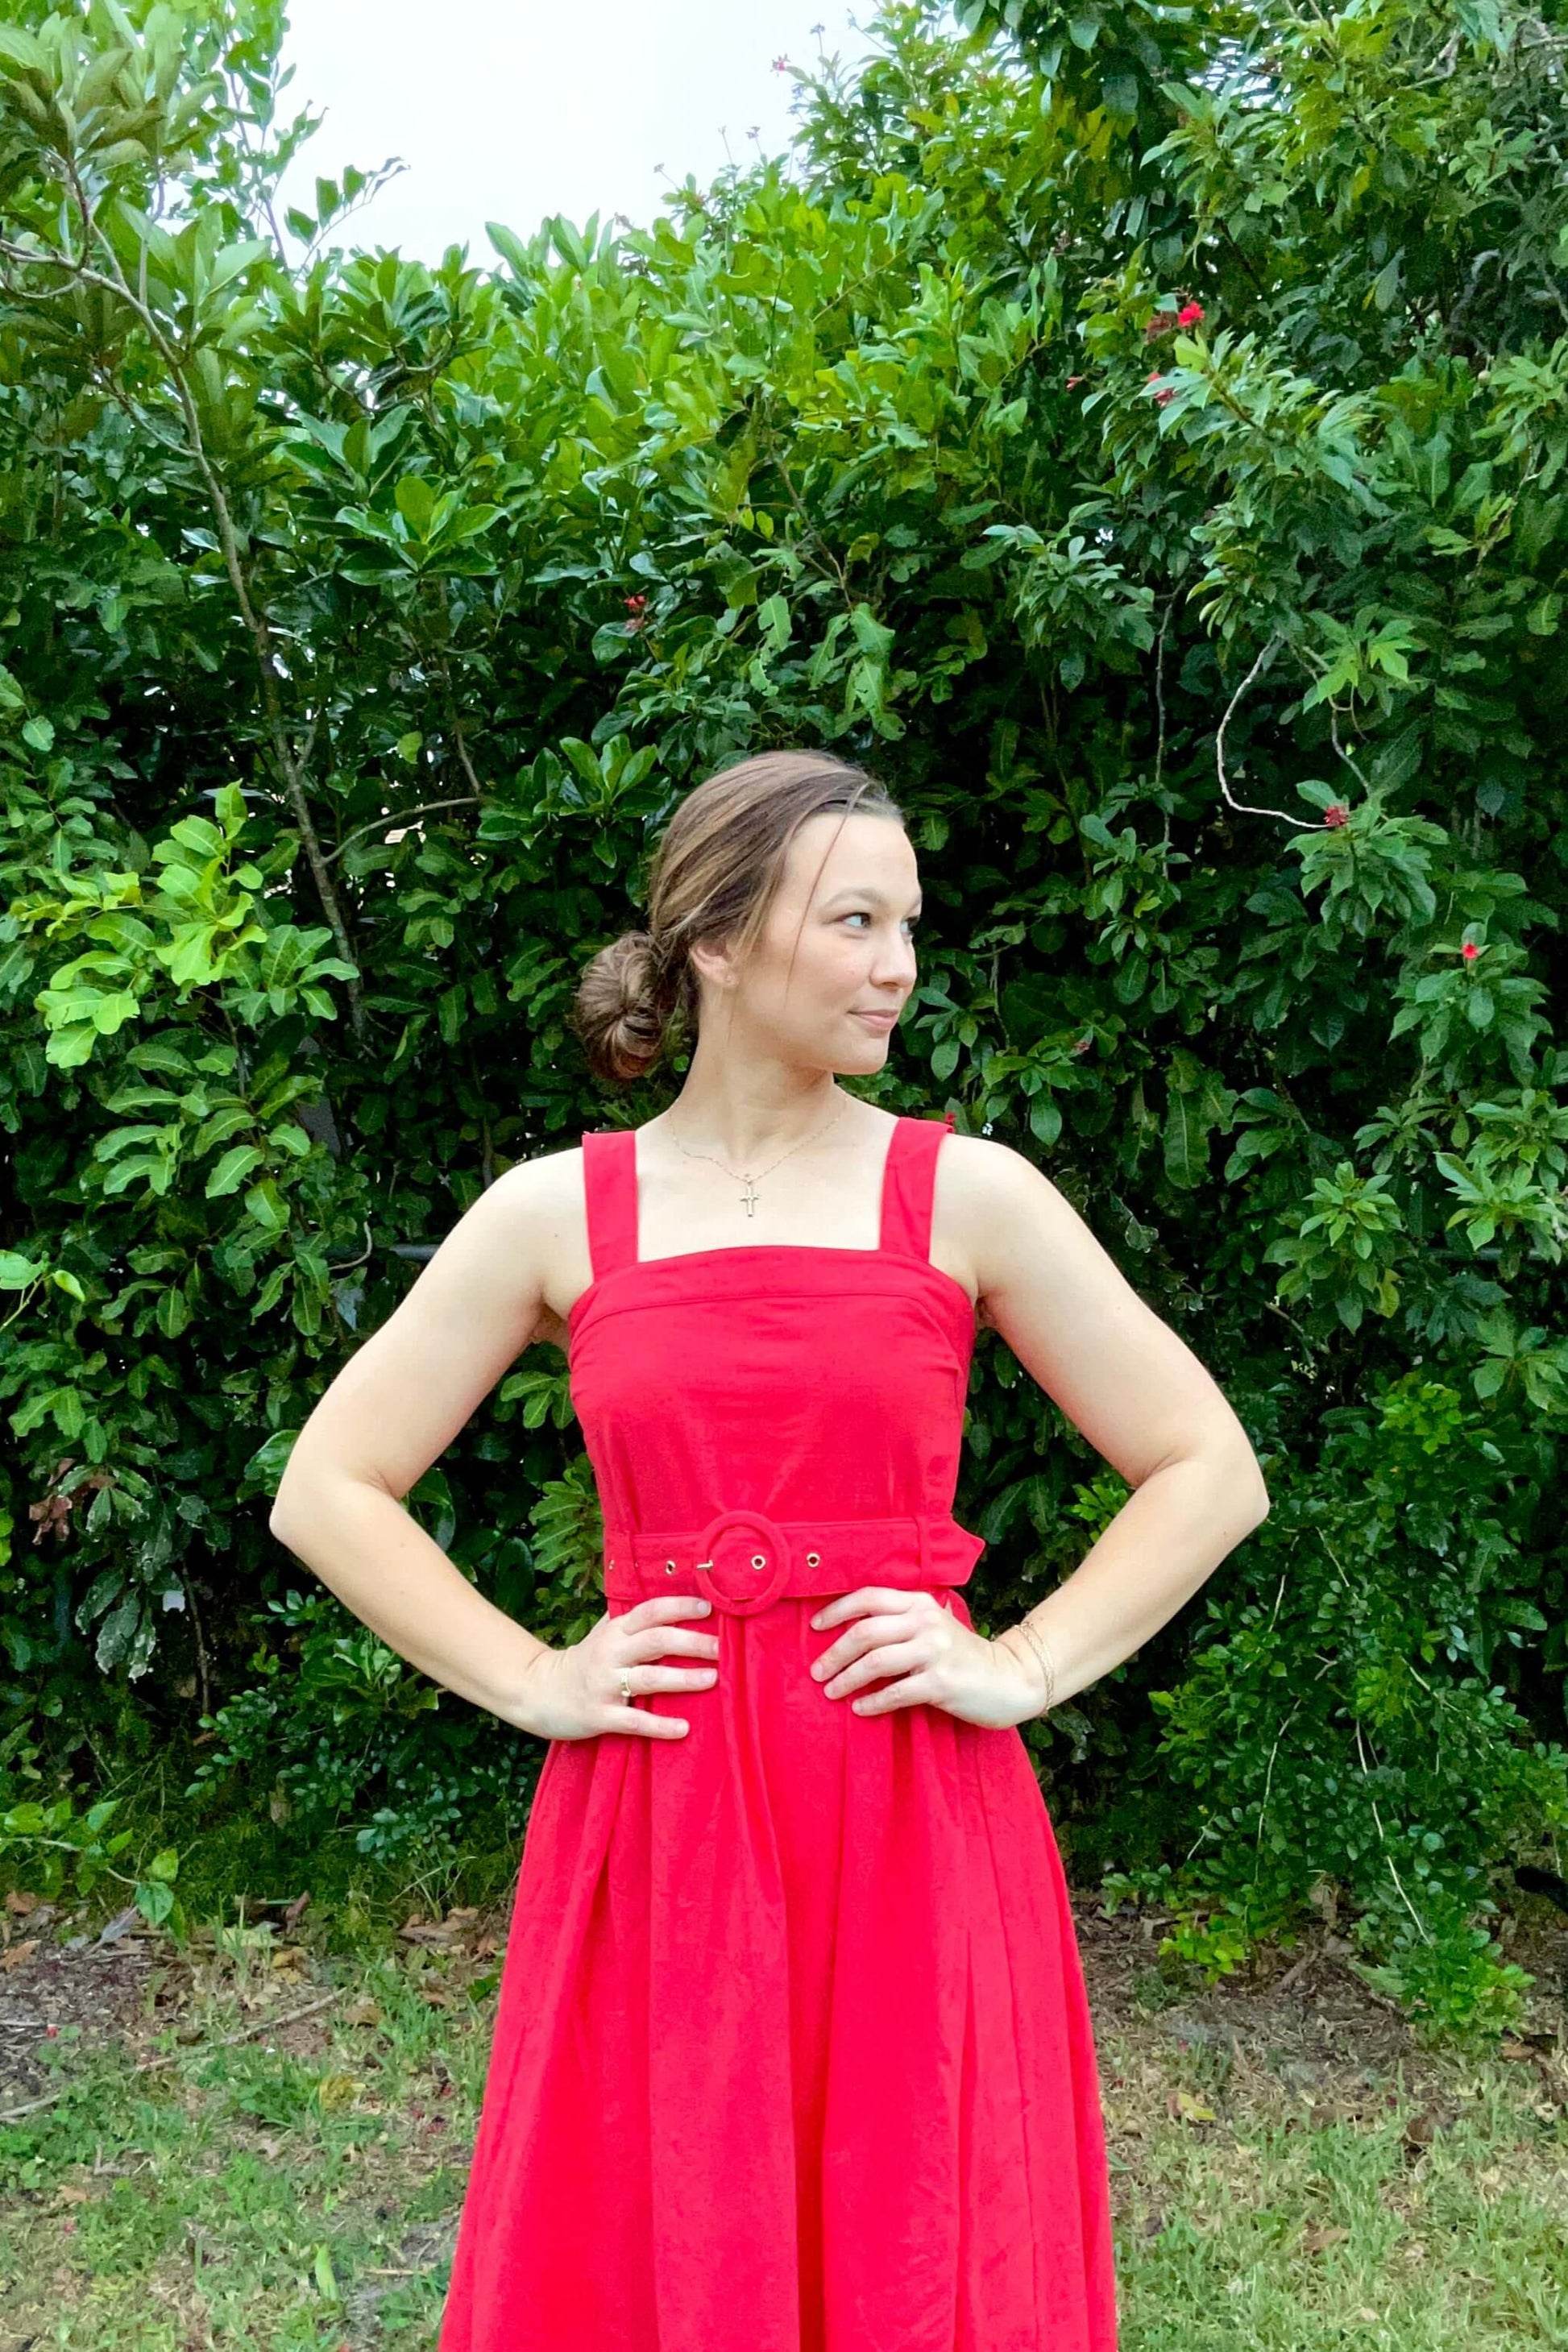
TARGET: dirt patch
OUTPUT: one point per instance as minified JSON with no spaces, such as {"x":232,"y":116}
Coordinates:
{"x":104,"y":1986}
{"x":1301,"y":2021}
{"x":1307,"y":2010}
{"x":1295,"y":2039}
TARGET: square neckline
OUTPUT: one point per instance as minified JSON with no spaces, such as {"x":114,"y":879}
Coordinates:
{"x":671,"y":1257}
{"x":637,"y":1262}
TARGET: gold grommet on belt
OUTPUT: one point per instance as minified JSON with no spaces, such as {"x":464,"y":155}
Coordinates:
{"x":814,"y":1559}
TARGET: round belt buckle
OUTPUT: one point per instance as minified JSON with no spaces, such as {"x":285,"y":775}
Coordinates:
{"x":744,"y":1561}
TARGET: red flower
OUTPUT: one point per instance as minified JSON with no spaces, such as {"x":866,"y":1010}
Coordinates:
{"x":1189,"y":314}
{"x":1469,"y":951}
{"x":780,"y":65}
{"x":1072,"y":379}
{"x":1160,"y":397}
{"x":1337,"y":814}
{"x":637,"y":607}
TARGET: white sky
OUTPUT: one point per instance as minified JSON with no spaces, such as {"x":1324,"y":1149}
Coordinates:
{"x":513,"y":110}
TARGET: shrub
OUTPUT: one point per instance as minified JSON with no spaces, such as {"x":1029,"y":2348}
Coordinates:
{"x":1139,"y":434}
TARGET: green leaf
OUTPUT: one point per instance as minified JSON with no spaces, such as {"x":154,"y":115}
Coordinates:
{"x":233,"y":258}
{"x":1185,"y":1140}
{"x":19,"y":48}
{"x":872,"y":636}
{"x":232,"y":1168}
{"x":416,"y":502}
{"x":267,"y":1204}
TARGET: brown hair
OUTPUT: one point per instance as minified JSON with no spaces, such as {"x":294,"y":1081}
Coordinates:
{"x":713,"y":877}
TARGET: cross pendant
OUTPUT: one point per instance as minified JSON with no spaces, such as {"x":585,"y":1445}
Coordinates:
{"x":749,"y":1195}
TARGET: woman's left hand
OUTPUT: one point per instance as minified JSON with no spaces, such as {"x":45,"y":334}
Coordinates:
{"x":937,"y":1659}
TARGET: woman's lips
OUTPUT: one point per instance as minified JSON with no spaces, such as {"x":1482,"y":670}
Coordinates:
{"x":881,"y":1021}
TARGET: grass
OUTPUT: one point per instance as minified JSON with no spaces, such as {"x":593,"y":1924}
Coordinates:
{"x":1289,"y":2171}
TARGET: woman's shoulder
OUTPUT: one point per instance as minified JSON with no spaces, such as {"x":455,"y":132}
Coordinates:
{"x":986,"y":1194}
{"x":979,"y":1169}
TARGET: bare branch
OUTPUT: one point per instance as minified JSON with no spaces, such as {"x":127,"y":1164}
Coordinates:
{"x":400,"y":816}
{"x":1267,"y":656}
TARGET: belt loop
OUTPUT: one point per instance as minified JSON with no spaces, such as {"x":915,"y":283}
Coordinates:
{"x":923,"y":1539}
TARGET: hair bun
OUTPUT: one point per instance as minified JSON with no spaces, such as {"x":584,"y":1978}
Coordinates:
{"x":623,"y":1006}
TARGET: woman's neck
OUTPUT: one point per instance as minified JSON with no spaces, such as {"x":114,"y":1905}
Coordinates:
{"x":748,"y":1125}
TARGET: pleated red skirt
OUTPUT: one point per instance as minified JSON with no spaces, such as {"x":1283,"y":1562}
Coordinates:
{"x":791,"y":2051}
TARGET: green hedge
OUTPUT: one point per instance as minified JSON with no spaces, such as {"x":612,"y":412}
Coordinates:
{"x":1139,"y":434}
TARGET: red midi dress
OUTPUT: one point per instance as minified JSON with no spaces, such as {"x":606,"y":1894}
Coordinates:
{"x":792,"y":2051}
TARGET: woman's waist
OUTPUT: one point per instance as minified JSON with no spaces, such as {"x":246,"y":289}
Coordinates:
{"x":744,"y":1559}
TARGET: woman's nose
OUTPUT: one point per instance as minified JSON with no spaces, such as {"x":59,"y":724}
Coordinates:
{"x":895,"y":960}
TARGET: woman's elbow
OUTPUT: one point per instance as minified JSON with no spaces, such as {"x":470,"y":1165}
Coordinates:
{"x":1241,"y":1475}
{"x":1258,"y":1485}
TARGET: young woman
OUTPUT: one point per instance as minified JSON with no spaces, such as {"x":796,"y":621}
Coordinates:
{"x":792,"y":2053}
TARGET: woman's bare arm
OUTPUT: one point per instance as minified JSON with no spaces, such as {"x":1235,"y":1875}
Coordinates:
{"x":506,"y":1274}
{"x":1133,"y":1388}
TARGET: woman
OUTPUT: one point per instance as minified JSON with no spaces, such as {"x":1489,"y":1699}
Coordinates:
{"x":791,"y":2051}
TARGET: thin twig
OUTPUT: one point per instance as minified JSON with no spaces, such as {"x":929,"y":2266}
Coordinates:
{"x":1246,"y":809}
{"x":188,"y":1588}
{"x":1425,"y":1932}
{"x":400,"y":816}
{"x":1160,"y":693}
{"x":262,"y":2025}
{"x":1334,"y":737}
{"x":837,"y":569}
{"x":349,"y":1262}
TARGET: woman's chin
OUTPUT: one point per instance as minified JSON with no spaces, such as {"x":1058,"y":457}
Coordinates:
{"x":862,"y":1053}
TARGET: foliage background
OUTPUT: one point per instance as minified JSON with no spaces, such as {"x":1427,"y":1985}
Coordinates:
{"x":1137,"y":431}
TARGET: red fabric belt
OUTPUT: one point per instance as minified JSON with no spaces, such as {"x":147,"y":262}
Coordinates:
{"x":742,"y":1560}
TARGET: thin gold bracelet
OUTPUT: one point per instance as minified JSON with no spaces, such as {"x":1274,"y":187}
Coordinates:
{"x":1037,"y":1642}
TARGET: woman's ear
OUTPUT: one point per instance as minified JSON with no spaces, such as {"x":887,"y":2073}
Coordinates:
{"x":713,"y":961}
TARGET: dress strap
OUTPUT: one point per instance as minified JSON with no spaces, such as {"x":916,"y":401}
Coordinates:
{"x":908,"y":1183}
{"x":610,"y":1195}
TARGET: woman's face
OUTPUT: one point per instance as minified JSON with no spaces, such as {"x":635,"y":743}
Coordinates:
{"x":836,"y":961}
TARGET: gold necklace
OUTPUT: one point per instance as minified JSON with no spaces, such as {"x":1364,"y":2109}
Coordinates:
{"x":748,"y":1196}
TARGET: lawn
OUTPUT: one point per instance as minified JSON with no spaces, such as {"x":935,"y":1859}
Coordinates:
{"x":262,"y":2143}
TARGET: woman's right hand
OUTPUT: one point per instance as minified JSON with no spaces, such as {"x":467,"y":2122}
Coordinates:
{"x":576,"y":1693}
